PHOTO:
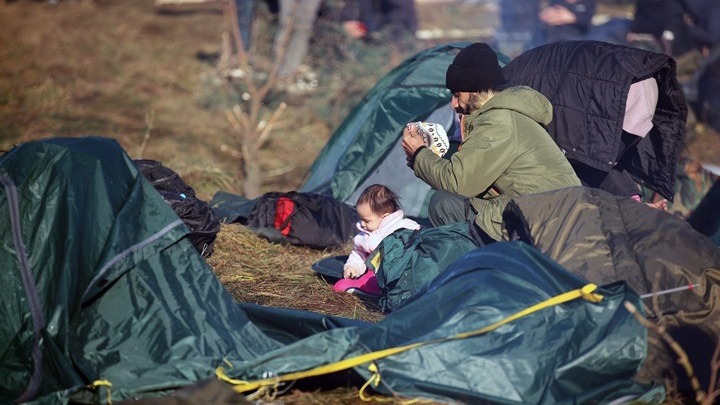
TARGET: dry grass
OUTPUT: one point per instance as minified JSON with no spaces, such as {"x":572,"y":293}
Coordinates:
{"x":104,"y":68}
{"x":257,"y":271}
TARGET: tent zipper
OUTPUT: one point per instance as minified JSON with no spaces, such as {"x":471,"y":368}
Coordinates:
{"x":31,"y":291}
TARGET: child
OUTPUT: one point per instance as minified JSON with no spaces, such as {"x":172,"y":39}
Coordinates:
{"x":380,"y":215}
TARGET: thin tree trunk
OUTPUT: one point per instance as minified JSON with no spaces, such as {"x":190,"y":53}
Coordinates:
{"x":305,"y":14}
{"x":251,"y":170}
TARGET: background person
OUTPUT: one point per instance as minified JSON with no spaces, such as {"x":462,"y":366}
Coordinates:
{"x":658,"y":26}
{"x":518,"y":25}
{"x":564,"y":20}
{"x":364,"y":19}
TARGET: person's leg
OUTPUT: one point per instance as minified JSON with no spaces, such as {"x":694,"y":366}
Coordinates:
{"x":245,"y":16}
{"x":446,"y":207}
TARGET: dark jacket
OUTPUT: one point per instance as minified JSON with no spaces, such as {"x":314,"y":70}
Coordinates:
{"x":705,"y":29}
{"x":399,"y":17}
{"x":657,"y":16}
{"x":587,"y":83}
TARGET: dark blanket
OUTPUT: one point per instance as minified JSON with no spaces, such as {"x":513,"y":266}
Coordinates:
{"x":605,"y":238}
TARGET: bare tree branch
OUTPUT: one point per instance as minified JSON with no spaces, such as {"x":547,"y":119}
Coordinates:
{"x":149,"y":121}
{"x":233,"y":120}
{"x":713,"y":389}
{"x":683,"y":359}
{"x":247,"y":118}
{"x":265,"y":133}
{"x":280,"y":51}
{"x":242,"y":118}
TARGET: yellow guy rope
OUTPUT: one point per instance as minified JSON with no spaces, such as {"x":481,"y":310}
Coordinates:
{"x":242,"y":386}
{"x":104,"y":383}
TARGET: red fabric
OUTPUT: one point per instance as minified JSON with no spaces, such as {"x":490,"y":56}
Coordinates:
{"x":283,"y":209}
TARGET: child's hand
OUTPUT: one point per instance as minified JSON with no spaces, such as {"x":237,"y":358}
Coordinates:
{"x":352,"y":271}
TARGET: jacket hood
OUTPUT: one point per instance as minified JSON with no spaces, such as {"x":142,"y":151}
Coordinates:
{"x":524,"y":100}
{"x":393,"y":221}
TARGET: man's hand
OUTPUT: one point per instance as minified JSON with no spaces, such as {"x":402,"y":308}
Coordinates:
{"x":557,"y":15}
{"x":659,"y":205}
{"x":352,"y":271}
{"x":355,"y":29}
{"x":411,"y":141}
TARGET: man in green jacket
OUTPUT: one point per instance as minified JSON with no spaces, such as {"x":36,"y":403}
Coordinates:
{"x":505,"y":150}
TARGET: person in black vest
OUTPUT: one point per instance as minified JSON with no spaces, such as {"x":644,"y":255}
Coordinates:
{"x":618,"y":112}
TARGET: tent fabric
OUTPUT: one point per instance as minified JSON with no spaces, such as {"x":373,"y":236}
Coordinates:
{"x":586,"y":81}
{"x":369,"y":137}
{"x":229,"y":207}
{"x":409,"y":259}
{"x":605,"y":238}
{"x":101,"y":281}
{"x":571,"y":353}
{"x":102,"y":284}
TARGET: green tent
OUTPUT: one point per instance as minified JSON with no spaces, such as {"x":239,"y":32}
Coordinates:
{"x":100,"y":283}
{"x":365,"y":149}
{"x":105,"y":299}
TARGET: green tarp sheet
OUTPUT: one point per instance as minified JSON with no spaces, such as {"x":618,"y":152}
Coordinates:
{"x":577,"y":352}
{"x":100,"y":283}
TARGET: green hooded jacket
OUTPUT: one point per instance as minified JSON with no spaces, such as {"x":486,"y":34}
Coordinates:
{"x":506,"y":153}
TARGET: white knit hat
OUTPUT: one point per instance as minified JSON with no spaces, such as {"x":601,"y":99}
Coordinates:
{"x":434,"y":136}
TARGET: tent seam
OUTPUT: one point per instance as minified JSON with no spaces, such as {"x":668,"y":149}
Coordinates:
{"x":30,"y":288}
{"x":120,"y":256}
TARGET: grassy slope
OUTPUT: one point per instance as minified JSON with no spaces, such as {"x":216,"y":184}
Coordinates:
{"x":121,"y":70}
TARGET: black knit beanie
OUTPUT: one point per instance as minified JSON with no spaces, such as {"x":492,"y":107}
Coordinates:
{"x":475,"y":68}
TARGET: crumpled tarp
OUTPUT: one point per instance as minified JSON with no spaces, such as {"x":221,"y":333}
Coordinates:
{"x":605,"y":238}
{"x":100,"y":283}
{"x":571,"y":353}
{"x":101,"y":286}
